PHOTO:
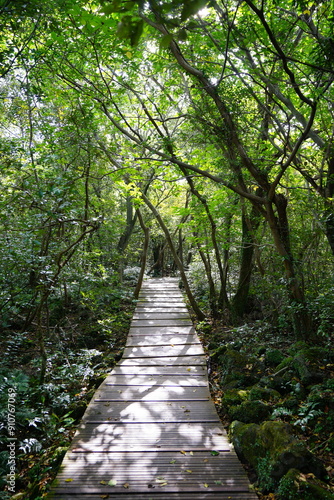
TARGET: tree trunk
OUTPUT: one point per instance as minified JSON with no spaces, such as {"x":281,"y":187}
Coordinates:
{"x":279,"y":227}
{"x":208,"y":272}
{"x":130,"y":224}
{"x":144,"y":255}
{"x":200,"y":315}
{"x":240,"y":299}
{"x":249,"y":226}
{"x":223,"y":299}
{"x":329,"y":193}
{"x":330,"y":228}
{"x":158,"y":257}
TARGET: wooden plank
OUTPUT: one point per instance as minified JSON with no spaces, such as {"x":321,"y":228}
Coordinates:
{"x":165,"y":339}
{"x":154,"y":472}
{"x":157,"y":411}
{"x":149,"y":436}
{"x":161,"y":330}
{"x":161,"y":322}
{"x":161,"y":307}
{"x":159,"y":301}
{"x":170,"y":371}
{"x":151,"y":393}
{"x":163,"y":350}
{"x":126,"y":380}
{"x":161,"y":293}
{"x":161,"y":316}
{"x":165,"y":361}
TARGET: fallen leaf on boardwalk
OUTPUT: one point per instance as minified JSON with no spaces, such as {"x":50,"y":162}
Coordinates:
{"x":188,"y":369}
{"x":103,"y":482}
{"x":104,"y":496}
{"x":172,"y":462}
{"x":190,"y":471}
{"x":191,"y":452}
{"x":161,"y":481}
{"x":205,"y":460}
{"x":112,"y":482}
{"x":126,"y":485}
{"x":172,"y":345}
{"x":206,"y":485}
{"x":215,"y":453}
{"x":218,"y":482}
{"x":68,"y":480}
{"x":186,"y":411}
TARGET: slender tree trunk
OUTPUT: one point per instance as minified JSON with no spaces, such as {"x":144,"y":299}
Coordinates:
{"x":208,"y":272}
{"x":279,"y":227}
{"x":223,"y":299}
{"x":329,"y":193}
{"x":200,"y":315}
{"x":144,"y":255}
{"x":249,"y":226}
{"x":180,"y":248}
{"x":130,"y":224}
{"x":329,"y":214}
{"x":240,"y":299}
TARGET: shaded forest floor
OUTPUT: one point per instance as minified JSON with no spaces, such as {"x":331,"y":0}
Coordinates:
{"x":84,"y":341}
{"x":84,"y":344}
{"x":256,"y":375}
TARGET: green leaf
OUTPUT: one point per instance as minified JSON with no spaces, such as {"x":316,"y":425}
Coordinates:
{"x":182,"y":35}
{"x":165,"y":41}
{"x":136,"y":32}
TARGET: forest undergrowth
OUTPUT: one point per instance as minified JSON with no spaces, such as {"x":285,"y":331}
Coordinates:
{"x":85,"y":339}
{"x":254,"y":377}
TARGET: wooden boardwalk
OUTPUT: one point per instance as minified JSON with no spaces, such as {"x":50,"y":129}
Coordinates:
{"x":151,"y":431}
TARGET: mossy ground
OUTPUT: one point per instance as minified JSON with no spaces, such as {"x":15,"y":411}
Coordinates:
{"x":294,"y":380}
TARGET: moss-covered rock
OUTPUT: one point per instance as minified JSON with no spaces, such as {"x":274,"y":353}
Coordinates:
{"x":233,"y":397}
{"x":285,"y":363}
{"x":308,"y":372}
{"x":233,"y":363}
{"x":217,"y":351}
{"x":250,"y":411}
{"x":238,"y":366}
{"x":277,"y":443}
{"x":295,"y":485}
{"x":297,"y":346}
{"x":322,"y":397}
{"x":273,"y":357}
{"x":264,"y":394}
{"x":277,"y":383}
{"x":244,"y":439}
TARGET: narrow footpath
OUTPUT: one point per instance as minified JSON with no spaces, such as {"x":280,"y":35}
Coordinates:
{"x":151,"y":430}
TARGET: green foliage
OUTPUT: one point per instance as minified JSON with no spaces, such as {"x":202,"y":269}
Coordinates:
{"x":265,"y":478}
{"x":307,"y":414}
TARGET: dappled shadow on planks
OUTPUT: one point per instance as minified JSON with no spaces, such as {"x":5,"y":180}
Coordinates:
{"x":151,"y":430}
